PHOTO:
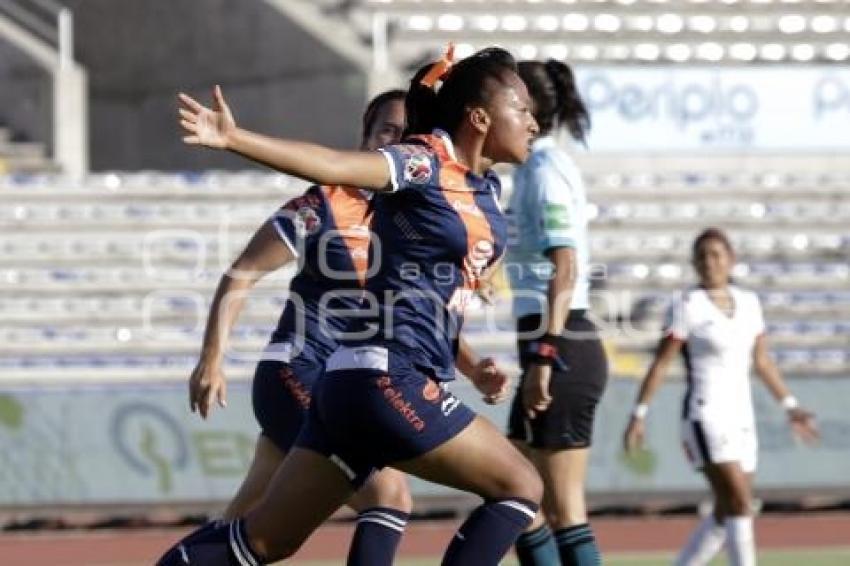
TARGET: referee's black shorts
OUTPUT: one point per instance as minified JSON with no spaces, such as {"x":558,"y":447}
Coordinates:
{"x":575,"y":391}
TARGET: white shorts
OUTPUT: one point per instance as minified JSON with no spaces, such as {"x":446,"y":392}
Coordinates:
{"x":712,"y":442}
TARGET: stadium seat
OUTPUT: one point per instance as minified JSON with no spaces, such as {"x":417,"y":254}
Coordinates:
{"x":85,"y":293}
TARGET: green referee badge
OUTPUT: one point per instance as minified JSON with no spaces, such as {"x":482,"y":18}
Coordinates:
{"x":556,"y":217}
{"x":641,"y":462}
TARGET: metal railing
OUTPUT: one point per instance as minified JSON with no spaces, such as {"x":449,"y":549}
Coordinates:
{"x":43,"y":29}
{"x":48,"y":20}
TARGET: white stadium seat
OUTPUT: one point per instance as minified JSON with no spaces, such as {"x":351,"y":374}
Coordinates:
{"x":75,"y":286}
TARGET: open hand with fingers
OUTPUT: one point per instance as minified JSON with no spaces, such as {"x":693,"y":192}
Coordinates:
{"x":493,"y":383}
{"x":206,"y":386}
{"x":210,"y":127}
{"x":803,"y":425}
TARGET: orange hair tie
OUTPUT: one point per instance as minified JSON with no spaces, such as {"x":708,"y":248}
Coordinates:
{"x":441,"y":69}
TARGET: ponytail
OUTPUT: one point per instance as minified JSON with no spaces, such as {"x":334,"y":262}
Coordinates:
{"x":420,"y":105}
{"x":557,"y":102}
{"x":467,"y":84}
{"x":572,"y":112}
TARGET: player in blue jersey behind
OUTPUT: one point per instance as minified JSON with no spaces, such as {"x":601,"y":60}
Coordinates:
{"x":383,"y":400}
{"x":327,"y":230}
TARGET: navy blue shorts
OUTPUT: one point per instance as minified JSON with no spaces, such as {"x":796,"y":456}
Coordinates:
{"x":281,"y":395}
{"x":373,"y":408}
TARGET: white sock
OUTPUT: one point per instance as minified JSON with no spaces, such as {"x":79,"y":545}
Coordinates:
{"x":740,"y":541}
{"x":705,"y":542}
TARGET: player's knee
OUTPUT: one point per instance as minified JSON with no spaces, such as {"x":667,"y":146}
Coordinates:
{"x":566,"y":516}
{"x":739,"y":507}
{"x":387,"y":489}
{"x":523,"y":482}
{"x":395,"y":494}
{"x":273,"y":550}
{"x":240,"y":505}
{"x":270,"y":544}
{"x":737,"y":504}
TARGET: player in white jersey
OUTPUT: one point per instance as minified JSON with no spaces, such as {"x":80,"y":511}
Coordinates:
{"x":719,"y":329}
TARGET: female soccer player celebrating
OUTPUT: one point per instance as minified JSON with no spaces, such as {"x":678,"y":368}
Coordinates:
{"x":720,"y":330}
{"x":382,"y":401}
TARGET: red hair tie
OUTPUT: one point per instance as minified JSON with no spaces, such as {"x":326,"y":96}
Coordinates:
{"x":441,"y":69}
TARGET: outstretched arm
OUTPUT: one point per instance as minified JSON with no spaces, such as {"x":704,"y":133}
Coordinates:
{"x":264,"y":253}
{"x":215,"y":128}
{"x":802,"y":422}
{"x":667,"y":350}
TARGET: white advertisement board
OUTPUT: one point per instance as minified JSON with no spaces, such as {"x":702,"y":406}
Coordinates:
{"x":680,"y":108}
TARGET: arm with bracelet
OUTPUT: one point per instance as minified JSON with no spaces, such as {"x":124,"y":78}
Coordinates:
{"x":557,"y":244}
{"x":669,"y":347}
{"x":635,"y":431}
{"x":544,"y":354}
{"x":802,"y":422}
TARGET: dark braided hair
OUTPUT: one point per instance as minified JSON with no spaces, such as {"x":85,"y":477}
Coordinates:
{"x":557,"y":102}
{"x":468,"y":84}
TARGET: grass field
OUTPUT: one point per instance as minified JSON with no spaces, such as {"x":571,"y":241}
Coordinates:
{"x":796,"y":557}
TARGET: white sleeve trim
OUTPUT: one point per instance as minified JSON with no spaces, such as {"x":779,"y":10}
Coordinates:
{"x":677,"y":327}
{"x":391,"y":162}
{"x":284,"y":237}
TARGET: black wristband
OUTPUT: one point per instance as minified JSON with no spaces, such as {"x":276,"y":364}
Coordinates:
{"x":544,"y":352}
{"x":538,"y":360}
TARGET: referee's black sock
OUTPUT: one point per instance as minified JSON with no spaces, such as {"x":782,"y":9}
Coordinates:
{"x":577,"y":546}
{"x":537,"y":548}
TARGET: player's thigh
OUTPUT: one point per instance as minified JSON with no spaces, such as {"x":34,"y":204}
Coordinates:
{"x":303,"y":493}
{"x":267,"y":459}
{"x":749,"y":448}
{"x":730,"y":485}
{"x":564,"y":472}
{"x":481,"y":460}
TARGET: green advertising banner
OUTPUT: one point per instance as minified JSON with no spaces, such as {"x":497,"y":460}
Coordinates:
{"x":140,"y":444}
{"x":124,"y":444}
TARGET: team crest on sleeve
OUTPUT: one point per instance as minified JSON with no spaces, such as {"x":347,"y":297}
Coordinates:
{"x":417,"y":168}
{"x":307,"y":221}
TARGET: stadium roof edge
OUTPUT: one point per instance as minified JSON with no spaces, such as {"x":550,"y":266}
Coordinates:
{"x":342,"y":41}
{"x":36,"y":48}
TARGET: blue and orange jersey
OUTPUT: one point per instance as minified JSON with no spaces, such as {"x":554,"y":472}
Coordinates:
{"x":327,"y":228}
{"x":437,"y":232}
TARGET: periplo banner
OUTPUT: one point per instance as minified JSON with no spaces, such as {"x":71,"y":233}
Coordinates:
{"x":680,"y":108}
